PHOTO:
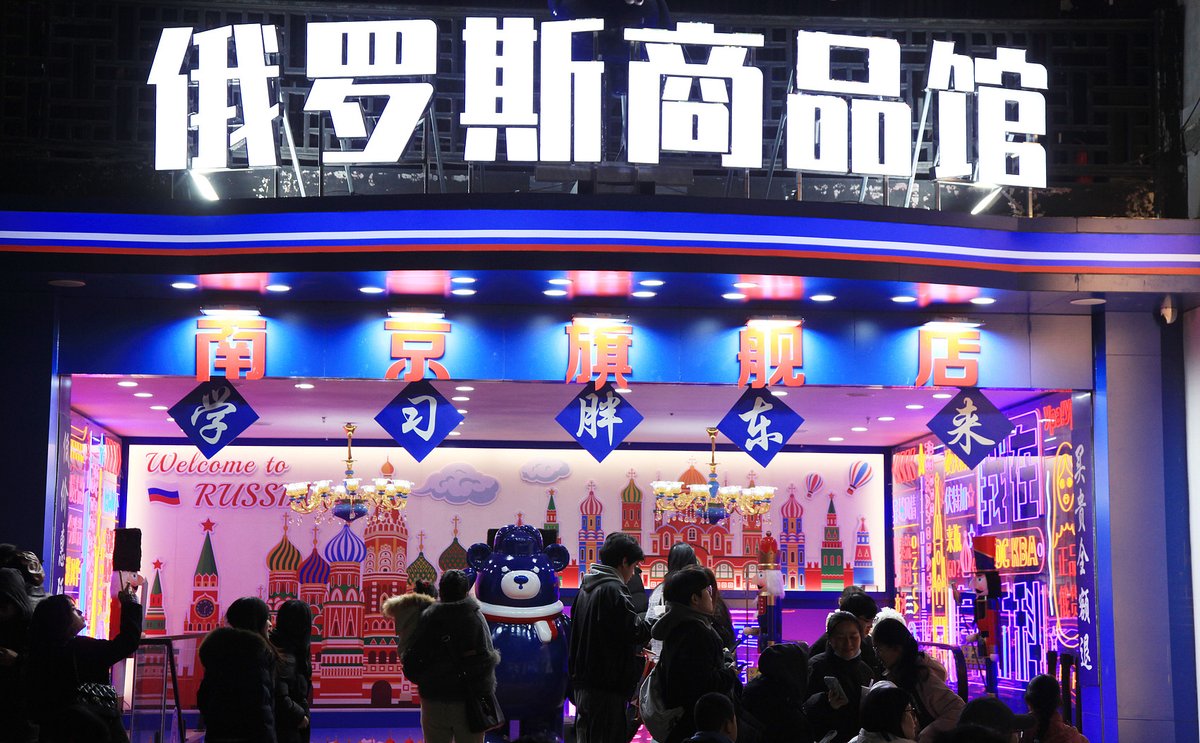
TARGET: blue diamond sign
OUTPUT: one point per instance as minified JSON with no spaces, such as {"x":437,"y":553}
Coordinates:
{"x":760,"y":424}
{"x":971,"y":426}
{"x":419,"y":419}
{"x":599,"y":419}
{"x":213,"y":415}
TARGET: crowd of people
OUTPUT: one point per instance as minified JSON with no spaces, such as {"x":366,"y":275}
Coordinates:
{"x":865,"y":680}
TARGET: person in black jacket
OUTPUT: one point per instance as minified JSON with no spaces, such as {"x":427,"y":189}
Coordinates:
{"x":775,"y":697}
{"x":859,"y":603}
{"x":16,"y":611}
{"x":450,"y":655}
{"x":237,"y":694}
{"x":693,"y":661}
{"x":604,"y":657}
{"x":837,"y":708}
{"x":60,"y":660}
{"x":292,"y":639}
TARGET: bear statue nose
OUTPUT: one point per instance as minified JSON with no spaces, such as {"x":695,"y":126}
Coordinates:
{"x":521,"y":580}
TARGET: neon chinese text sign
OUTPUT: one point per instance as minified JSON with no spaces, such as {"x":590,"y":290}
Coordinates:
{"x":988,"y":112}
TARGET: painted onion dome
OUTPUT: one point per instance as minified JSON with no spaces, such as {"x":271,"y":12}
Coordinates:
{"x":453,"y":557}
{"x":791,"y":508}
{"x":314,"y":569}
{"x":420,"y":568}
{"x":693,"y":477}
{"x":284,"y":557}
{"x":345,"y":547}
{"x":591,"y":505}
{"x":632,"y":493}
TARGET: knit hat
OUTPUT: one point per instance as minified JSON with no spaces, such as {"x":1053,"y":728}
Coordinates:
{"x":991,"y":713}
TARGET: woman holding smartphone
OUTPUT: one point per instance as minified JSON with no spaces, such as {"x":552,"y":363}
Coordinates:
{"x":836,"y":678}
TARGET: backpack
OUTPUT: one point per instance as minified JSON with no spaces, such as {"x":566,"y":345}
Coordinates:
{"x":655,"y":716}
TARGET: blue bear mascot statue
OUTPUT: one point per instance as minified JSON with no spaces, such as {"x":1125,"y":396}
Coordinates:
{"x":517,"y":586}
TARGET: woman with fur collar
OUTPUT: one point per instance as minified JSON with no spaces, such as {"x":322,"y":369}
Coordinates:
{"x":405,"y":610}
{"x":449,"y":657}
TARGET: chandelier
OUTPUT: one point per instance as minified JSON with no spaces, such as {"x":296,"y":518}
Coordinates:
{"x":709,"y":502}
{"x":351,"y":499}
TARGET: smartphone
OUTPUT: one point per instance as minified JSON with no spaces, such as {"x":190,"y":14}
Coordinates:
{"x":834,"y":686}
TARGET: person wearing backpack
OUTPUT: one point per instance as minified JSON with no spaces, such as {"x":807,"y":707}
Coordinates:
{"x":693,"y":661}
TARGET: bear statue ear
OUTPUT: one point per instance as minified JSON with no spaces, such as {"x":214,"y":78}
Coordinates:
{"x":478,"y":554}
{"x":559,"y":556}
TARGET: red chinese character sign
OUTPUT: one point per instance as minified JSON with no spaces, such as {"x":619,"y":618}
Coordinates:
{"x":760,"y":424}
{"x":416,"y":344}
{"x":419,"y":419}
{"x":213,"y":415}
{"x":770,"y":352}
{"x":598,"y":348}
{"x":232,"y":347}
{"x":971,"y":426}
{"x":941,"y":351}
{"x":599,"y":420}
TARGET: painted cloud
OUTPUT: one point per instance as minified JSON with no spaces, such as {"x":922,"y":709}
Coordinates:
{"x":459,"y":484}
{"x":545,"y":471}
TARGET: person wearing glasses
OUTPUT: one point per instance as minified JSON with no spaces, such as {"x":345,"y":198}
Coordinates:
{"x":888,"y":716}
{"x":938,"y":708}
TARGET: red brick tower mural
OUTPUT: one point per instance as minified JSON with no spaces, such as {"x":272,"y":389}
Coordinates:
{"x":205,"y":612}
{"x":384,"y":576}
{"x":155,"y":624}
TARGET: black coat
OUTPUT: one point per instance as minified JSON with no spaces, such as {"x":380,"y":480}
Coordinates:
{"x":607,"y":635}
{"x":451,"y":653}
{"x":775,"y":697}
{"x":692,"y":664}
{"x":852,"y":675}
{"x":237,"y":693}
{"x":292,"y":687}
{"x":868,"y":654}
{"x":14,"y":638}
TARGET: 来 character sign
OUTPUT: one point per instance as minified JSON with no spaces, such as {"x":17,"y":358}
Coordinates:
{"x":710,"y":100}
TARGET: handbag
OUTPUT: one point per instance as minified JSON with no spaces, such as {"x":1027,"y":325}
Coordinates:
{"x":483,"y":712}
{"x":103,"y":701}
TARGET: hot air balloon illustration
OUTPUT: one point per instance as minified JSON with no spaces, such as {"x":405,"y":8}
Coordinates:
{"x":812,"y":484}
{"x":860,"y":474}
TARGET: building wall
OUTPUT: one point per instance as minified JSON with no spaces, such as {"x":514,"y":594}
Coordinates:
{"x":1191,"y":94}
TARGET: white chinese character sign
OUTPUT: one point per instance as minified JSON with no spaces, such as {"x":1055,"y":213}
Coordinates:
{"x":971,"y":426}
{"x":760,"y":424}
{"x":599,"y":419}
{"x":419,"y":419}
{"x":213,"y":415}
{"x":696,"y":90}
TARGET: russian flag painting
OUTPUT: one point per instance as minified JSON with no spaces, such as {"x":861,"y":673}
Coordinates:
{"x":161,"y":495}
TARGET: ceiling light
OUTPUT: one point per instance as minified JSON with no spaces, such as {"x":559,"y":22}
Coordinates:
{"x":952,"y":323}
{"x":733,"y":295}
{"x":204,"y":188}
{"x":67,"y":283}
{"x":555,"y":292}
{"x":416,"y":315}
{"x":601,"y":320}
{"x":464,"y":388}
{"x":858,"y":429}
{"x":914,"y":406}
{"x":651,"y":282}
{"x":371,"y":289}
{"x":461,"y":398}
{"x":462,"y":280}
{"x":158,"y":407}
{"x":127,"y":383}
{"x":885,"y":419}
{"x":836,"y":438}
{"x":822,"y":297}
{"x":278,"y":288}
{"x":456,"y":433}
{"x":745,"y":285}
{"x":183,"y":285}
{"x":942,"y":396}
{"x":987,"y":201}
{"x":903,"y":299}
{"x":462,"y":410}
{"x":230,"y":312}
{"x":143,"y":394}
{"x":304,"y":385}
{"x":645,"y":294}
{"x":983,"y":300}
{"x":462,"y":292}
{"x":559,"y":282}
{"x":1088,"y":301}
{"x":774,"y":322}
{"x":623,"y":390}
{"x":170,"y":420}
{"x":779,"y":393}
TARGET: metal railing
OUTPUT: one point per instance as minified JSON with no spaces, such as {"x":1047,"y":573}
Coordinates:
{"x":960,"y":664}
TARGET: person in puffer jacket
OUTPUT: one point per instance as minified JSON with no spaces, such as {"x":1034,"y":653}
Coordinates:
{"x":237,"y":694}
{"x":775,"y":697}
{"x":450,"y":655}
{"x":924,"y":678}
{"x":405,"y":610}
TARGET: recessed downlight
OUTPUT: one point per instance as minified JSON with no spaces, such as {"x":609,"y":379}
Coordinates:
{"x":304,"y":385}
{"x":859,"y":429}
{"x":983,"y":300}
{"x":836,"y":438}
{"x":371,"y":289}
{"x":623,"y":390}
{"x":462,"y":292}
{"x":822,"y":297}
{"x":645,"y":294}
{"x":143,"y":394}
{"x":170,"y":420}
{"x":464,"y":388}
{"x":903,"y":299}
{"x":456,"y":433}
{"x":1088,"y":301}
{"x":779,"y":393}
{"x":914,"y":406}
{"x":942,"y":396}
{"x":744,"y":285}
{"x":460,"y":398}
{"x":733,"y":295}
{"x":559,"y":282}
{"x":555,"y":292}
{"x":885,"y":419}
{"x":127,"y":383}
{"x":463,"y":280}
{"x":183,"y":285}
{"x":462,"y":410}
{"x":651,"y":282}
{"x":158,"y":407}
{"x":278,"y":288}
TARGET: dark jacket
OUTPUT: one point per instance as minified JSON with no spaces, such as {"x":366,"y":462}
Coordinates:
{"x":868,"y":656}
{"x":451,"y":653}
{"x":852,"y":675}
{"x":293,"y":684}
{"x":607,"y":635}
{"x":775,"y":697}
{"x":692,"y":664}
{"x":14,"y":638}
{"x":237,"y":694}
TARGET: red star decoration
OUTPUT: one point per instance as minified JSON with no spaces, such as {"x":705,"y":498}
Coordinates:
{"x":157,"y":564}
{"x":208,"y":524}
